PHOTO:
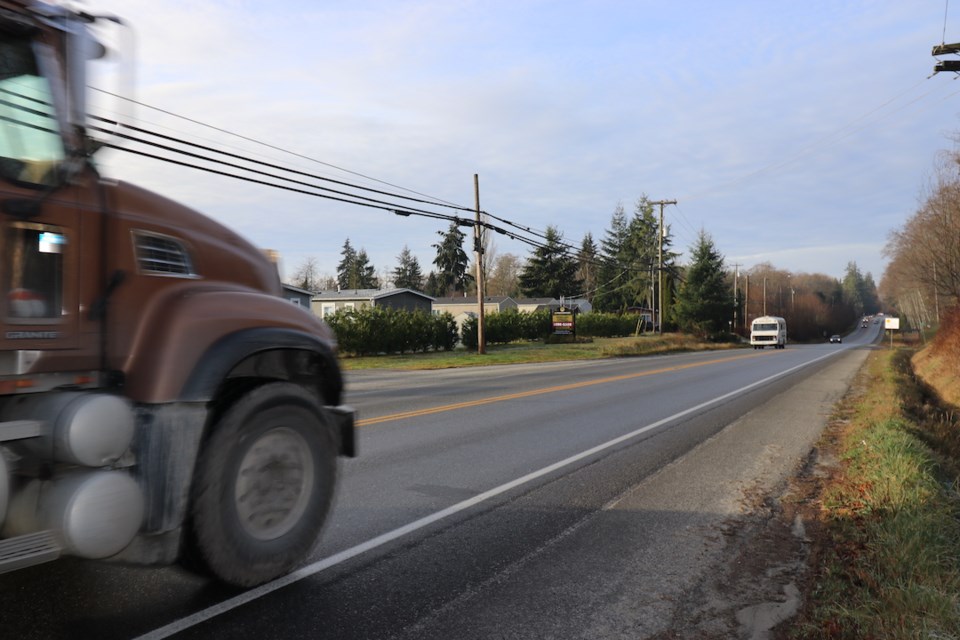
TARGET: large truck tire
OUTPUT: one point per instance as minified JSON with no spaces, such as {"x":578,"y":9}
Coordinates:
{"x":263,"y":485}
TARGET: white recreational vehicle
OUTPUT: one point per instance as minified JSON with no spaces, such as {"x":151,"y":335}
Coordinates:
{"x":768,"y":331}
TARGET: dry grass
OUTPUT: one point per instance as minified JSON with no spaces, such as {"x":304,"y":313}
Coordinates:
{"x":888,"y":556}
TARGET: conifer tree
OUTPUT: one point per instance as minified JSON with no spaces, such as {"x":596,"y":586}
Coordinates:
{"x":704,"y":304}
{"x":407,"y":275}
{"x":550,"y":272}
{"x":451,"y":262}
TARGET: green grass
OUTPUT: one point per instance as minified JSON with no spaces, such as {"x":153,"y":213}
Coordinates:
{"x":536,"y":352}
{"x":889,"y":563}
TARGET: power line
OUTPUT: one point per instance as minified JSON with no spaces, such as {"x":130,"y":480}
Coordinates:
{"x":263,"y":144}
{"x":523,"y":233}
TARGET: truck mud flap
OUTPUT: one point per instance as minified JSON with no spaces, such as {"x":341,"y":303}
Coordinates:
{"x":344,"y":418}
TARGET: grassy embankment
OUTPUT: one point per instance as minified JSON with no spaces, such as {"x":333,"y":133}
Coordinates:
{"x":649,"y":344}
{"x":887,"y":552}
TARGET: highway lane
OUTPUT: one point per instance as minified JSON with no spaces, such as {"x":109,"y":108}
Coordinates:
{"x":461,"y":474}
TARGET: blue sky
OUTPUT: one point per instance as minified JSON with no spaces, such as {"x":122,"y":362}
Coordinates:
{"x":800,"y":134}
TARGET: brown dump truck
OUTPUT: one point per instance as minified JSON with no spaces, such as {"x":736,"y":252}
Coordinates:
{"x":159,"y":400}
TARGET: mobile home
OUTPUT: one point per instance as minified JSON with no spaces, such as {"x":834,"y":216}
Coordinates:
{"x":768,"y":331}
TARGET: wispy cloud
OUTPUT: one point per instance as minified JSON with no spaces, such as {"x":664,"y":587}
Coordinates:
{"x":789,"y":132}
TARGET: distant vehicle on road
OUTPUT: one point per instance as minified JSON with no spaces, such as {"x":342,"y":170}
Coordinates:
{"x":836,"y":338}
{"x":768,"y":331}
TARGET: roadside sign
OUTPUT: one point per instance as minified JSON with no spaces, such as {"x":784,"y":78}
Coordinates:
{"x":891,"y":325}
{"x":563,"y":323}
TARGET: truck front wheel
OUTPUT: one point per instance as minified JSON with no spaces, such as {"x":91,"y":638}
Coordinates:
{"x":263,"y":485}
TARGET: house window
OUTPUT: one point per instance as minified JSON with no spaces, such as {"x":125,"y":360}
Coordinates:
{"x":349,"y":305}
{"x":295,"y":301}
{"x":327,"y":309}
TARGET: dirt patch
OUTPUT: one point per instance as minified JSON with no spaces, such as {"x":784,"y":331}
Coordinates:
{"x":759,"y":589}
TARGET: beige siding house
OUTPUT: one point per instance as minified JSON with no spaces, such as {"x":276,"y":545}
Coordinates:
{"x":327,"y":303}
{"x":462,"y":308}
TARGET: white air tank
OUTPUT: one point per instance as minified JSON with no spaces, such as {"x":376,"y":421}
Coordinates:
{"x":93,"y":513}
{"x":90,"y":429}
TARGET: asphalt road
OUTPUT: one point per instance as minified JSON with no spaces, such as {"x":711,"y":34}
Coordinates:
{"x":566,"y":500}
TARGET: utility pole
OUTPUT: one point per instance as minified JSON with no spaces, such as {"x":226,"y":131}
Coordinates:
{"x":746,"y":303}
{"x":478,"y":256}
{"x":764,"y":295}
{"x":946,"y":65}
{"x":660,"y":264}
{"x":736,"y":287}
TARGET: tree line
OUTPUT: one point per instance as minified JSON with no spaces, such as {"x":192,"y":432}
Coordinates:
{"x":622,"y":274}
{"x":922,"y":278}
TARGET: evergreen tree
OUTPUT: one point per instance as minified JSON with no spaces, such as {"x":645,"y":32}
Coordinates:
{"x":587,"y":265}
{"x":347,"y":268}
{"x":611,"y":273}
{"x":628,"y":255}
{"x":551,"y":272}
{"x":431,"y":287}
{"x":451,"y":261}
{"x":704,"y":304}
{"x":407,"y":275}
{"x":366,"y":274}
{"x":355,"y":270}
{"x":641,"y":253}
{"x":860,"y":291}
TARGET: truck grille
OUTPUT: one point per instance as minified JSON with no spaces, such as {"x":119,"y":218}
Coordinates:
{"x":162,"y":255}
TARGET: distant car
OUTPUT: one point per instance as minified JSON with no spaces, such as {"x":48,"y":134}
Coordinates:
{"x":836,"y":338}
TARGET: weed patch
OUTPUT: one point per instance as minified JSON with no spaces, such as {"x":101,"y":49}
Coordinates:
{"x":889,"y":550}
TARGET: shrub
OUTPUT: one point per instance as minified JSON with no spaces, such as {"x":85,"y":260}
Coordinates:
{"x":375,"y":330}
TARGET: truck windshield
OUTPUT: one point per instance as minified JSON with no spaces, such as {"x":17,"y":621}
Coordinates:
{"x":31,"y":148}
{"x":766,"y":326}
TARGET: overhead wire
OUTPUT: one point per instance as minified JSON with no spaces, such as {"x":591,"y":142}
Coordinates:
{"x":522,"y":233}
{"x":264,"y":144}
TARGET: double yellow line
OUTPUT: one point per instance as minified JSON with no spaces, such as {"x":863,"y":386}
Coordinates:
{"x":536,"y":392}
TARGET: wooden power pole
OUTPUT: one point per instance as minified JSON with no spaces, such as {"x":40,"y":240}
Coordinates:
{"x":660,"y":265}
{"x":478,"y":256}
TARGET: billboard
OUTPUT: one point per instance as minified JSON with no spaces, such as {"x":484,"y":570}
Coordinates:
{"x":891,"y":323}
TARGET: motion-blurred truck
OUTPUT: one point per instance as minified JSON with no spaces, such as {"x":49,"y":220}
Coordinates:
{"x":159,"y":400}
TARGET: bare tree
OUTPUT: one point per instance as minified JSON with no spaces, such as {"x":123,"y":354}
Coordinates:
{"x":504,"y":278}
{"x":924,"y":267}
{"x":307,"y":275}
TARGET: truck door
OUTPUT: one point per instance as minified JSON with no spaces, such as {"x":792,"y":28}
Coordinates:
{"x":38,"y":280}
{"x":38,"y":210}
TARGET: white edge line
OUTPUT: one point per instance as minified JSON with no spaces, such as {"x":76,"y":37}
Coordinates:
{"x":321,"y":565}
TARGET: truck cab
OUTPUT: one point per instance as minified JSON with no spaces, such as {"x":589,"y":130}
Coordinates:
{"x":158,"y":398}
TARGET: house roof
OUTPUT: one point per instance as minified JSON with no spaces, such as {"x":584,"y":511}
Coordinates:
{"x":544,"y":301}
{"x":471,"y":300}
{"x":290,"y":287}
{"x":365,"y":294}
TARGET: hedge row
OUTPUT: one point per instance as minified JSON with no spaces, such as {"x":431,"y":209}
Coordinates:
{"x":374,"y":330}
{"x":606,"y":325}
{"x":507,"y":326}
{"x":512,"y":326}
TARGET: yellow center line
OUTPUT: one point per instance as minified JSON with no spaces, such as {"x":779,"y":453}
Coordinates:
{"x":536,"y":392}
